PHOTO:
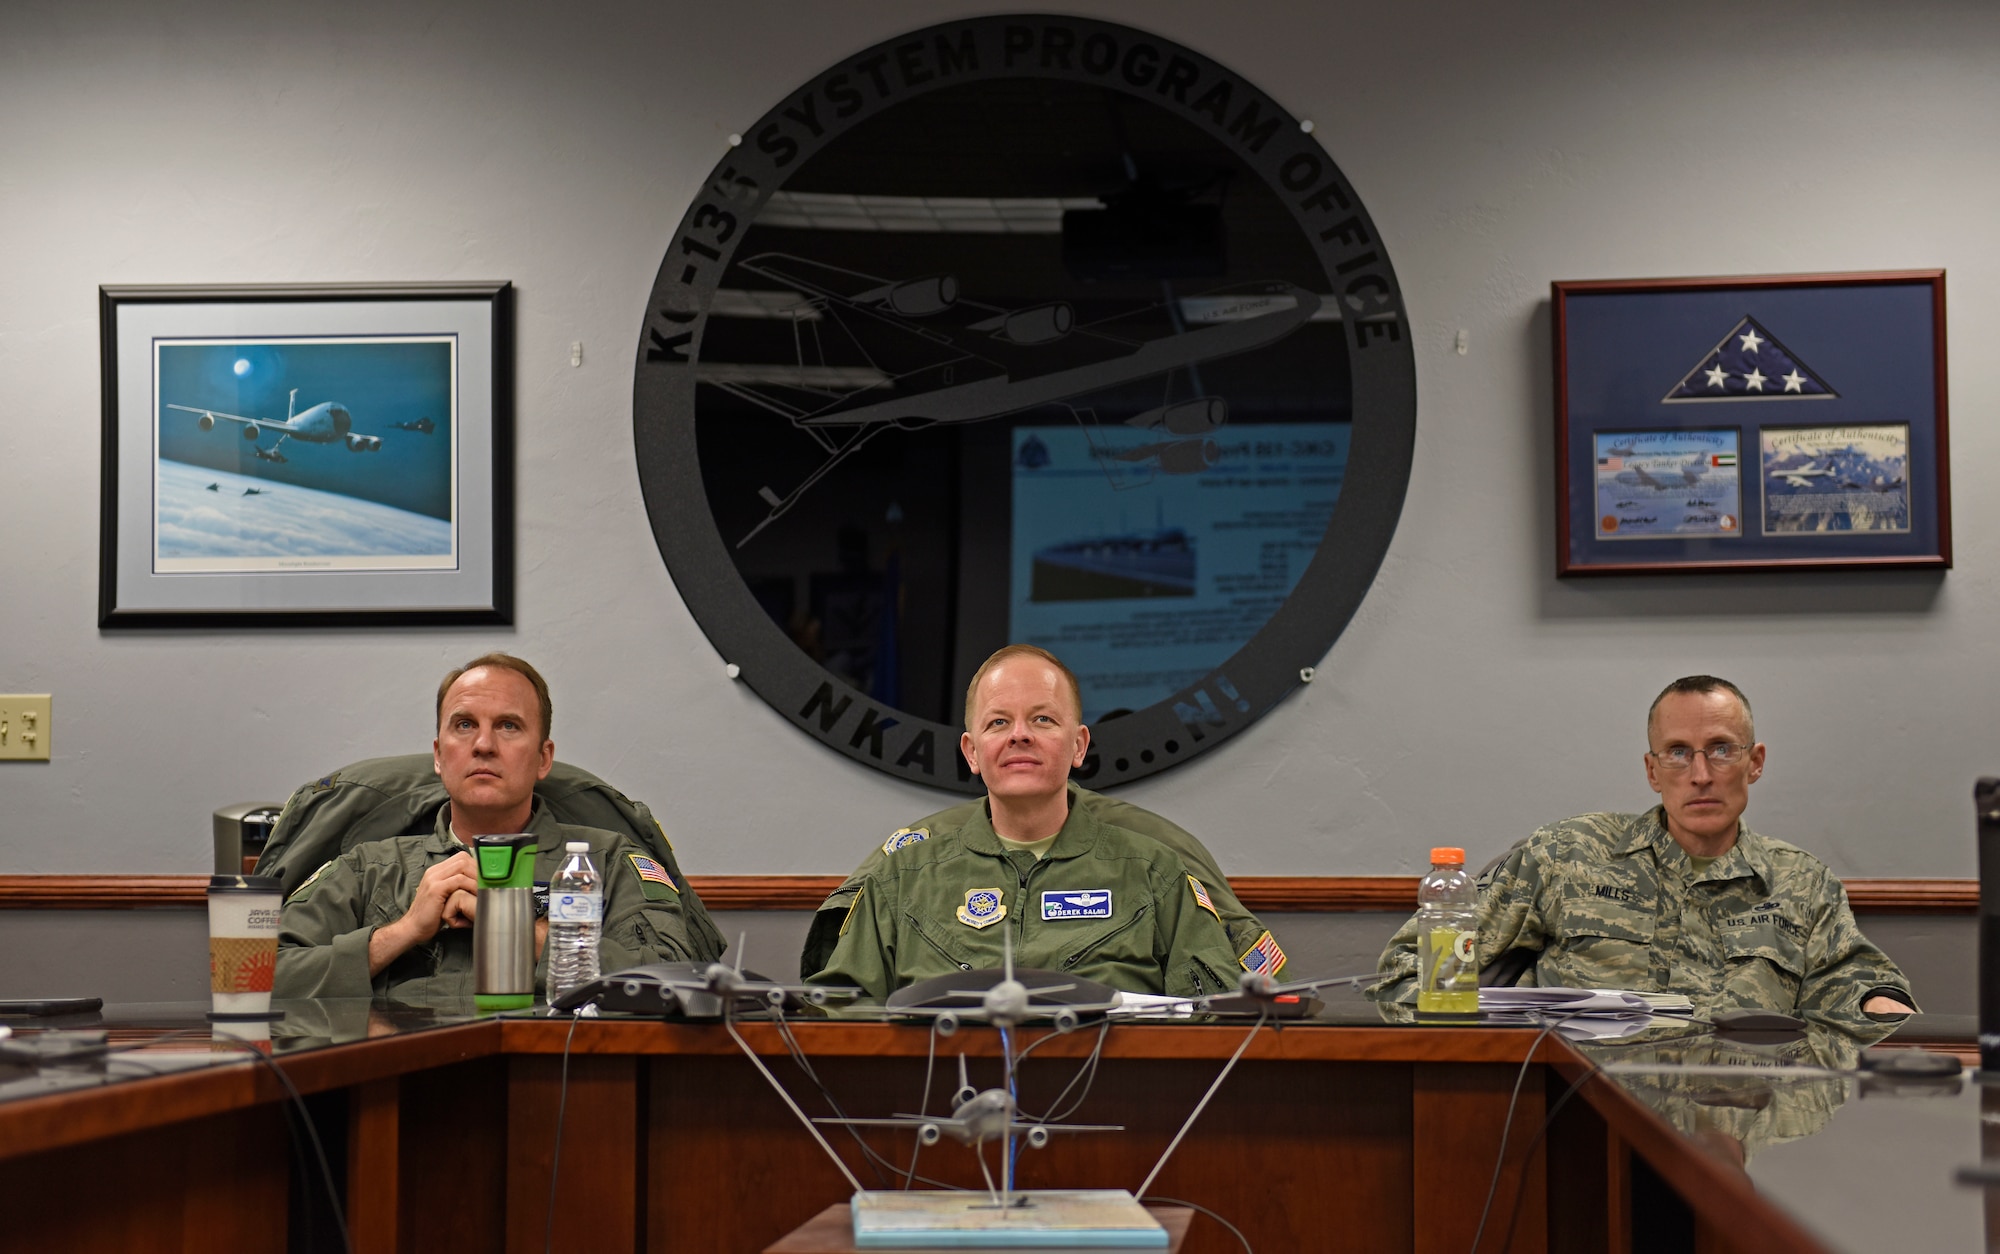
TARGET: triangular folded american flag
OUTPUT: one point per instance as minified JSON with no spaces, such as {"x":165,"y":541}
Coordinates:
{"x":1750,"y":365}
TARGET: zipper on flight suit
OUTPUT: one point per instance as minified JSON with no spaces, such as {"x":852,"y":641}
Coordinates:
{"x":1021,"y":878}
{"x":917,"y":926}
{"x":1100,"y":941}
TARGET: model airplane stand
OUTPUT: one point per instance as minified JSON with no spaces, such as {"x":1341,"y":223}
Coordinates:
{"x":832,"y":1232}
{"x":1002,"y":1217}
{"x":1033,"y":1219}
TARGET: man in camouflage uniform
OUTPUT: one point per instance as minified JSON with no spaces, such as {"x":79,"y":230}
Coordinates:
{"x":395,"y":917}
{"x":1719,"y":1090}
{"x":1682,"y":898}
{"x":1075,"y":894}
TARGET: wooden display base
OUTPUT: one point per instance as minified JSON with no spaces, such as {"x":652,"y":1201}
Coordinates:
{"x":832,"y":1232}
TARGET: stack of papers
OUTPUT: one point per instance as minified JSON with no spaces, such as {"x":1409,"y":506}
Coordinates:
{"x":1580,"y":1013}
{"x":1150,"y":1006}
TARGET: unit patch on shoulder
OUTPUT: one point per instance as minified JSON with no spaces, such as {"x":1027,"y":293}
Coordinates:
{"x":299,"y":893}
{"x":1264,"y":957}
{"x":905,"y":836}
{"x":1080,"y":903}
{"x":654,"y":881}
{"x":982,"y":908}
{"x":325,"y":783}
{"x":1201,"y":897}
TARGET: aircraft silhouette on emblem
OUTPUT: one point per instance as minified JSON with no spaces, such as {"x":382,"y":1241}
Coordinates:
{"x":874,"y":354}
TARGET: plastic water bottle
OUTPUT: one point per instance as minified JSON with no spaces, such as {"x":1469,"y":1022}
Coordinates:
{"x":576,"y":920}
{"x":1447,"y":939}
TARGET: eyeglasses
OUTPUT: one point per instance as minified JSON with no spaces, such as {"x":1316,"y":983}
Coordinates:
{"x":1721,"y":756}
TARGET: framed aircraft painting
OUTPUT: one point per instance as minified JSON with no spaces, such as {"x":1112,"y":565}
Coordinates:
{"x":1751,"y":424}
{"x":322,"y":455}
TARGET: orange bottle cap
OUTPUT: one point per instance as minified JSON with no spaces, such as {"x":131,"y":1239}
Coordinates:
{"x":1447,"y":857}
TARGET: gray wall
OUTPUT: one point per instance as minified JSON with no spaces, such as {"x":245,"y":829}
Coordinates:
{"x":1497,"y":146}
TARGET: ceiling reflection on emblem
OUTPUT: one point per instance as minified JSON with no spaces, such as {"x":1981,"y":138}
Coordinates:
{"x":969,"y":365}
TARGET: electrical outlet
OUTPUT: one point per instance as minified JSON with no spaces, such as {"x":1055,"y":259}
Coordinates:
{"x":24,"y":728}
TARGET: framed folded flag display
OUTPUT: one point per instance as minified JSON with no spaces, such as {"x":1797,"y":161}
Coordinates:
{"x":1751,"y":424}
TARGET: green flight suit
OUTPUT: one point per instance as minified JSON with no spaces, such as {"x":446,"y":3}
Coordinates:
{"x":378,"y":798}
{"x":1246,"y":933}
{"x":1104,"y":903}
{"x":328,"y":920}
{"x":1611,"y":901}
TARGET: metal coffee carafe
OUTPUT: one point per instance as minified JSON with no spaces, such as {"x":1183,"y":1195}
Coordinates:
{"x":503,"y":928}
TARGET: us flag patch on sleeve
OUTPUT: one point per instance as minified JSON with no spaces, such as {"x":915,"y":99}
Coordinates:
{"x":1202,"y":899}
{"x":651,"y":871}
{"x":1264,"y":957}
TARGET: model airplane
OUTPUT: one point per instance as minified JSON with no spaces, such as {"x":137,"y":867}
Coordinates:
{"x":934,"y":357}
{"x":1259,"y":986}
{"x":695,"y":990}
{"x":977,"y":1116}
{"x":325,"y":423}
{"x":980,"y":1116}
{"x":1006,"y":1001}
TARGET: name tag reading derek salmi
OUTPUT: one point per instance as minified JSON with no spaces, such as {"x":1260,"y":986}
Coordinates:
{"x":1084,"y":903}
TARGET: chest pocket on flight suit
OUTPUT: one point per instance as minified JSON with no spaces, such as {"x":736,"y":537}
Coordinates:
{"x":1123,"y":941}
{"x":1764,"y":964}
{"x":930,"y":939}
{"x":1606,"y":932}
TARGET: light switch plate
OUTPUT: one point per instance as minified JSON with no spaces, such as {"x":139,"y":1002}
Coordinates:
{"x":24,"y":728}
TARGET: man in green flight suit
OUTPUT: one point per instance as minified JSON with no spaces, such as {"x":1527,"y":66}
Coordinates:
{"x":394,"y":917}
{"x":1255,"y":946}
{"x":1682,"y":898}
{"x":1075,"y":893}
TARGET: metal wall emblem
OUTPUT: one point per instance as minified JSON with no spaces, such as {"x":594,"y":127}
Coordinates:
{"x":1025,"y":328}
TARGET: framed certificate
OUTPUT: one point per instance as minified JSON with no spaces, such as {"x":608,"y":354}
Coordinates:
{"x":1754,"y":424}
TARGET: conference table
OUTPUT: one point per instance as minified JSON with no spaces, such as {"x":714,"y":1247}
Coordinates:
{"x":438,"y":1126}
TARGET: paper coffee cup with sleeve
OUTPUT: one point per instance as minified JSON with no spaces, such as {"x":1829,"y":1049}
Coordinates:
{"x":243,"y":915}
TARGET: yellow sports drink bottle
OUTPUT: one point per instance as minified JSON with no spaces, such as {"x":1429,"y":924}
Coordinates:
{"x":1447,"y":940}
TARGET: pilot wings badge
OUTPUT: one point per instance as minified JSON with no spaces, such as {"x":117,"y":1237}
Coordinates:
{"x":982,"y":908}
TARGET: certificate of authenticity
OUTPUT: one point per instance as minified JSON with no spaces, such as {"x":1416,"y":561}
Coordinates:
{"x":1667,"y":483}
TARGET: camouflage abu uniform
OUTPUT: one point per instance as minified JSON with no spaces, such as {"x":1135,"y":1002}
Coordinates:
{"x":328,"y":920}
{"x":1103,"y":903}
{"x":1611,"y":901}
{"x":1253,"y":942}
{"x":1676,"y":1076}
